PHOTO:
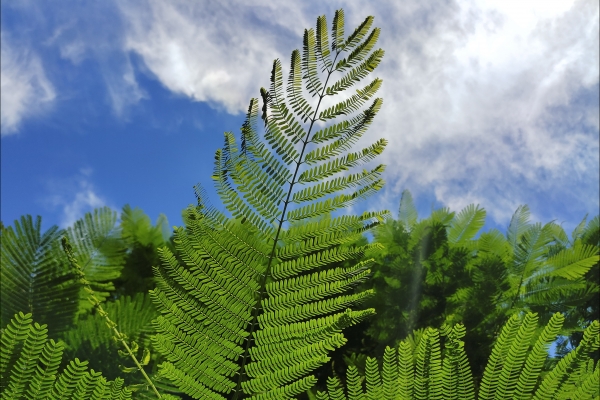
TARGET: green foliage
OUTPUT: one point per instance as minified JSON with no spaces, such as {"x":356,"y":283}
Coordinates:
{"x":37,"y":277}
{"x":249,"y":305}
{"x":94,"y":342}
{"x":29,"y":368}
{"x":421,"y":369}
{"x":142,"y":241}
{"x":437,"y":271}
{"x":99,"y":251}
{"x":33,"y":276}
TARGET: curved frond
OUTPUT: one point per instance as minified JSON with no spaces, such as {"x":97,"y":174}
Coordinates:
{"x":562,"y":374}
{"x":572,"y":263}
{"x":35,"y":275}
{"x":466,"y":224}
{"x":100,"y":251}
{"x":519,"y":223}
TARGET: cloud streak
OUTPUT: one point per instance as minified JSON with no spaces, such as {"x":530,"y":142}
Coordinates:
{"x":25,"y":90}
{"x":74,"y":197}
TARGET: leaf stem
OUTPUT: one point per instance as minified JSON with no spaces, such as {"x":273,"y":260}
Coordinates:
{"x":94,"y":300}
{"x":279,"y":229}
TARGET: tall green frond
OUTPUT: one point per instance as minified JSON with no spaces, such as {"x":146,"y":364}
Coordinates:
{"x":405,"y":379}
{"x":515,"y":357}
{"x":337,"y":31}
{"x":457,"y":377}
{"x":294,"y":89}
{"x":323,"y":43}
{"x":493,"y":369}
{"x":535,"y":359}
{"x":309,"y":65}
{"x":250,"y":304}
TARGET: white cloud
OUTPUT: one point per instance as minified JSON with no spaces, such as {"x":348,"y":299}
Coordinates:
{"x":473,"y":113}
{"x":74,"y":197}
{"x":82,"y":37}
{"x":123,"y":89}
{"x":25,"y":90}
{"x":480,"y":97}
{"x":219,"y":52}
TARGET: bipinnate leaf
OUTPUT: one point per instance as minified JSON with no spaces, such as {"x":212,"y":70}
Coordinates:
{"x":250,"y":302}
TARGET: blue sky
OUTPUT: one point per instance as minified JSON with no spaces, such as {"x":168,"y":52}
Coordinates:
{"x":486,"y":102}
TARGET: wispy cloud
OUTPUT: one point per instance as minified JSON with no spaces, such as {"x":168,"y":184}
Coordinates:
{"x":485,"y":102}
{"x":82,"y":35}
{"x":73,"y":197}
{"x":216,"y":52}
{"x":25,"y":90}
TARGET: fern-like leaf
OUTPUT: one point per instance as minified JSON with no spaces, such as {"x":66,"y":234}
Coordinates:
{"x":249,"y":303}
{"x":513,"y":372}
{"x":30,"y":368}
{"x":466,"y":225}
{"x":35,"y":275}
